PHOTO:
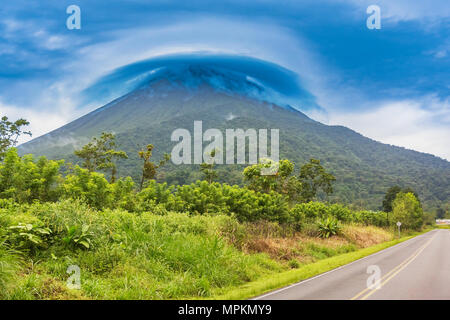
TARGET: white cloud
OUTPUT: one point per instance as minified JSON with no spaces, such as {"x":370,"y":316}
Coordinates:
{"x":258,"y":39}
{"x":419,"y":125}
{"x":41,"y":122}
{"x":440,"y":52}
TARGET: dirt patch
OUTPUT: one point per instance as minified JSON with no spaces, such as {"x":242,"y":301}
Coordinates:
{"x":53,"y":289}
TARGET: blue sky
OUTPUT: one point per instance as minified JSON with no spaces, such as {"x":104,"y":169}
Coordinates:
{"x":391,"y":84}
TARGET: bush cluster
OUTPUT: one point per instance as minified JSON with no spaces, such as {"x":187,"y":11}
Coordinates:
{"x":313,"y":211}
{"x":25,"y":180}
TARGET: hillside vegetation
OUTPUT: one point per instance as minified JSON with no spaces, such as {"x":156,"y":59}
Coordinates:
{"x":364,"y":168}
{"x":167,"y":242}
{"x":122,"y":255}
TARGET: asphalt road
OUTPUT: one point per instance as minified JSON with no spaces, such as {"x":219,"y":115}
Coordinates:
{"x":418,"y":268}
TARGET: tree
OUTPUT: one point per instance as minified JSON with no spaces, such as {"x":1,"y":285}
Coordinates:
{"x":429,"y":218}
{"x":207,"y":168}
{"x":440,"y":213}
{"x":282,"y":181}
{"x":89,"y":153}
{"x":408,"y":189}
{"x":390,"y":197}
{"x":149,"y":168}
{"x":407,"y":209}
{"x":99,"y":154}
{"x":10,"y":133}
{"x":109,"y":163}
{"x":392,"y":193}
{"x":313,"y":177}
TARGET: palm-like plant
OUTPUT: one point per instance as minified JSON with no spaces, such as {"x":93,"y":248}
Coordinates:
{"x":328,"y":227}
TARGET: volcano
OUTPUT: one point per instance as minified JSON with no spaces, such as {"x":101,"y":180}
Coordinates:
{"x":161,"y":95}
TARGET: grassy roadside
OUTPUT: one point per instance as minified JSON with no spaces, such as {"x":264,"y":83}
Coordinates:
{"x":148,"y":256}
{"x":276,"y":281}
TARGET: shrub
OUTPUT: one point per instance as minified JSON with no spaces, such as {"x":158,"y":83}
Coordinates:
{"x":25,"y":179}
{"x":340,"y":212}
{"x":314,"y":210}
{"x":375,"y":218}
{"x":123,"y":194}
{"x":156,"y":194}
{"x":201,"y":197}
{"x":247,"y":205}
{"x":298,"y":217}
{"x":328,"y":227}
{"x":91,"y":187}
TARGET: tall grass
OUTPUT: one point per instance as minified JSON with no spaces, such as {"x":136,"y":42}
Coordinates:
{"x":137,"y":256}
{"x":152,"y":255}
{"x":9,"y":264}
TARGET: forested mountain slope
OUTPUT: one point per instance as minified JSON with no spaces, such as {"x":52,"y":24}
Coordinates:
{"x":364,"y":168}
